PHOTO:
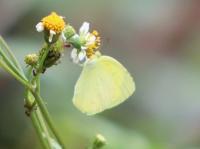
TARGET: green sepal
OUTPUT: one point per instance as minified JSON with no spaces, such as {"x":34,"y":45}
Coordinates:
{"x":47,"y":34}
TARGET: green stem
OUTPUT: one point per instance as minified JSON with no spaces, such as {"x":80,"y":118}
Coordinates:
{"x":10,"y":64}
{"x":41,"y":62}
{"x":37,"y":78}
{"x":38,"y":98}
{"x":36,"y":117}
{"x":44,"y":129}
{"x":14,"y":60}
{"x":47,"y":117}
{"x":38,"y":130}
{"x":39,"y":114}
{"x":16,"y":76}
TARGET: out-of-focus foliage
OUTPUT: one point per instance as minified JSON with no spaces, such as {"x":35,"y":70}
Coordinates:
{"x":158,"y":42}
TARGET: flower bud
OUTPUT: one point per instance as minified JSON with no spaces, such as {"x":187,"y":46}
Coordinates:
{"x":75,"y":41}
{"x":99,"y":141}
{"x":31,"y":59}
{"x":69,"y":31}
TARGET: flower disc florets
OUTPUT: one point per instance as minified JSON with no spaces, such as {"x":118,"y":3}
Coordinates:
{"x":52,"y":24}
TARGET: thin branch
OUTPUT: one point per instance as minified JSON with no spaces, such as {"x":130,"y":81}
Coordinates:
{"x":39,"y":130}
{"x":12,"y":56}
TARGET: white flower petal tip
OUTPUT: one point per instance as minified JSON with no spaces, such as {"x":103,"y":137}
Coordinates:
{"x":83,"y":47}
{"x":74,"y":54}
{"x":39,"y":27}
{"x":63,"y":37}
{"x":52,"y":33}
{"x":78,"y":57}
{"x":84,"y":29}
{"x":62,"y":17}
{"x":90,"y":40}
{"x":82,"y":56}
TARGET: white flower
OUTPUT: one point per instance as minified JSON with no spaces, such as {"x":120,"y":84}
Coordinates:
{"x":40,"y":27}
{"x":78,"y":57}
{"x":85,"y":36}
{"x":86,"y":39}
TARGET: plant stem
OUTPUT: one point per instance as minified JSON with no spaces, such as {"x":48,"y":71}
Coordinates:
{"x":16,"y":76}
{"x":44,"y":129}
{"x":11,"y":65}
{"x":38,"y":98}
{"x":41,"y":62}
{"x":47,"y":117}
{"x":14,"y":60}
{"x":38,"y":112}
{"x":38,"y":130}
{"x":36,"y":117}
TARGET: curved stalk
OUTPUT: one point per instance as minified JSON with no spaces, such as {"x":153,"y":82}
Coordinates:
{"x":47,"y":117}
{"x":38,"y":130}
{"x":13,"y":58}
{"x":16,"y":76}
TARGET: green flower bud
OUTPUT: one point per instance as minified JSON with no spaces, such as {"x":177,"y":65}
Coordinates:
{"x":75,"y":41}
{"x":69,"y":31}
{"x":31,"y":59}
{"x":99,"y":141}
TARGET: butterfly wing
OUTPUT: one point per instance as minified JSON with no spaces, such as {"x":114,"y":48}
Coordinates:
{"x":103,"y":84}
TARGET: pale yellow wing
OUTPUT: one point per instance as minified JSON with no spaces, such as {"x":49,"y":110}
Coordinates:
{"x":103,"y":84}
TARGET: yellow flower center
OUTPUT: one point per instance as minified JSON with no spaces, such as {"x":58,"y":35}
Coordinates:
{"x":54,"y":22}
{"x":92,"y":48}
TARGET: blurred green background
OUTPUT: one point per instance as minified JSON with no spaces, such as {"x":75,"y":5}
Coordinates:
{"x":159,"y":43}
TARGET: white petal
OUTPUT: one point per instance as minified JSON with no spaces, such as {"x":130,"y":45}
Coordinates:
{"x":87,"y":35}
{"x":39,"y":27}
{"x":82,"y":56}
{"x":62,"y":17}
{"x":83,"y":47}
{"x":74,"y":56}
{"x":84,"y":28}
{"x":91,"y":39}
{"x":63,"y":37}
{"x":51,"y":35}
{"x":74,"y":53}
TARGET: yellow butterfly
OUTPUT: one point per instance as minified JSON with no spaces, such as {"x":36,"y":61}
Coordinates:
{"x":103,"y":84}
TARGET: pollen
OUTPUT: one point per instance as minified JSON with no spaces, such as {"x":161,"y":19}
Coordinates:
{"x":54,"y":22}
{"x":92,"y":48}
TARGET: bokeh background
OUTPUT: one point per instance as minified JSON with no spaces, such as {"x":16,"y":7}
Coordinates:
{"x":159,"y":43}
